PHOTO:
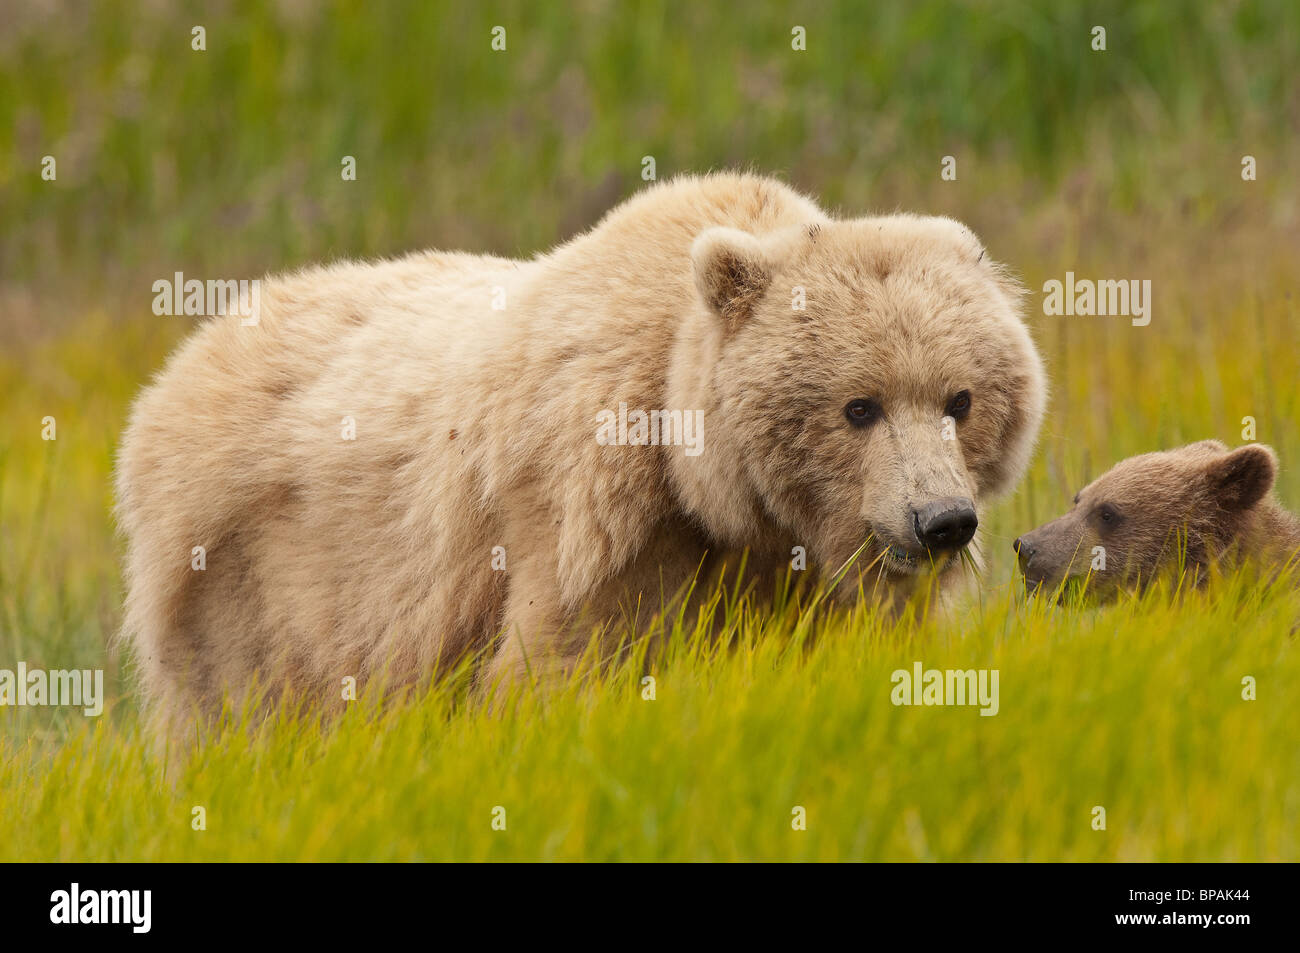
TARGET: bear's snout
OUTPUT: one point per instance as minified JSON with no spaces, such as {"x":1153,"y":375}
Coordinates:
{"x":1024,"y":551}
{"x":945,"y":524}
{"x":1037,"y":555}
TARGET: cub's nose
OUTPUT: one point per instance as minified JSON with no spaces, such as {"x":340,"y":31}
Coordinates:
{"x":948,"y":523}
{"x":1025,"y":550}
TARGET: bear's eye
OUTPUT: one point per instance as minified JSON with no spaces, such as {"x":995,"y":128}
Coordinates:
{"x":1107,"y":514}
{"x":958,"y":405}
{"x":863,"y":412}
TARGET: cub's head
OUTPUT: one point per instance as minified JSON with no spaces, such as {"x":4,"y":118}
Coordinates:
{"x":1147,"y":513}
{"x":867,"y":379}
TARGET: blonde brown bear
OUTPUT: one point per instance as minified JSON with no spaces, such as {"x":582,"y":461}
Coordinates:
{"x":404,"y":461}
{"x":1158,"y":512}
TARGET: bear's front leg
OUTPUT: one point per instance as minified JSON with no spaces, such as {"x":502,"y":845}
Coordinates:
{"x":530,"y":644}
{"x":528,"y":648}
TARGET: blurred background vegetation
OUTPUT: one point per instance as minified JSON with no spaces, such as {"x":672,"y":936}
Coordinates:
{"x":228,"y":160}
{"x":1123,"y":164}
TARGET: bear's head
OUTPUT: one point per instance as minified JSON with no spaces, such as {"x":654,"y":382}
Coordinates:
{"x":1148,"y":514}
{"x":864,"y":381}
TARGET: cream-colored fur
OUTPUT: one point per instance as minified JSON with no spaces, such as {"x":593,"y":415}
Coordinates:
{"x":476,"y":428}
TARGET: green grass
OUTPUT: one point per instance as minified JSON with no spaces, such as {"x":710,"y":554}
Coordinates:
{"x":1137,"y":709}
{"x":1122,"y":164}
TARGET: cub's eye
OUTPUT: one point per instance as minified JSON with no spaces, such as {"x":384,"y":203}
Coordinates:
{"x":958,"y":405}
{"x":1108,"y":514}
{"x":863,"y":412}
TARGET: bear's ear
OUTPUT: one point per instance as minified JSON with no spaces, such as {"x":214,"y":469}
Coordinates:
{"x":1240,"y":479}
{"x":731,"y":271}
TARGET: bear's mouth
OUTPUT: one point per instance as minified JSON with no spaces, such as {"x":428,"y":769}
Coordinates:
{"x":904,"y":562}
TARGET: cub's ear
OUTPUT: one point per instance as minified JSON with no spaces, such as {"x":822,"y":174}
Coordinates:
{"x":732,"y":272}
{"x":1240,"y":479}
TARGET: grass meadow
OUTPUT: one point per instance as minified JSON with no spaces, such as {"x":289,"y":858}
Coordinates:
{"x":1122,"y":163}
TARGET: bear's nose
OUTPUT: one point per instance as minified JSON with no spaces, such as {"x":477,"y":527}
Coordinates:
{"x":948,"y":523}
{"x":1024,"y":550}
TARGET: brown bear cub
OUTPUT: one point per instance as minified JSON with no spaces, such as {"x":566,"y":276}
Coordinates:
{"x":1190,"y":508}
